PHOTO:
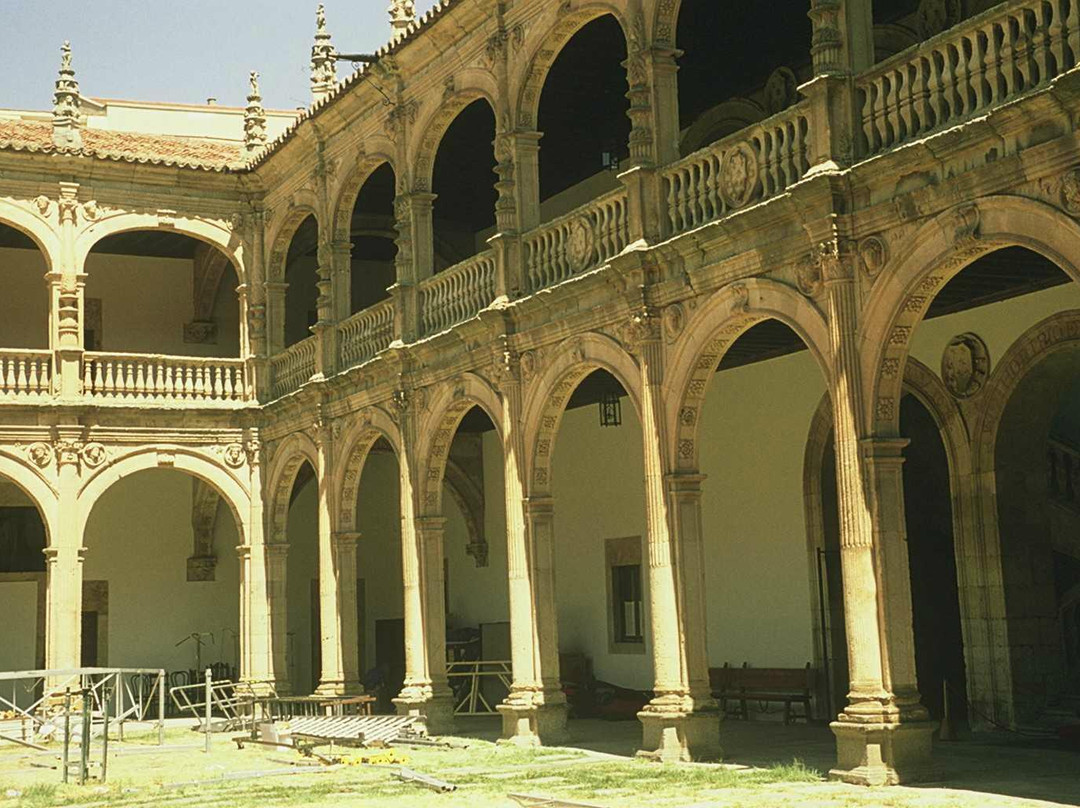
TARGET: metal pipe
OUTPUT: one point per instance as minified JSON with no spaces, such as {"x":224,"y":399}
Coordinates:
{"x":161,"y":708}
{"x":84,"y":751}
{"x":67,"y":731}
{"x":105,"y":735}
{"x":209,"y":692}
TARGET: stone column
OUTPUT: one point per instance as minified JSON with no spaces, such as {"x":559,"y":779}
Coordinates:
{"x":430,"y":530}
{"x":345,"y":546}
{"x":526,"y":156}
{"x":332,"y":675}
{"x":256,"y":623}
{"x":63,"y":604}
{"x":531,"y":713}
{"x":415,"y":260}
{"x":674,"y":726}
{"x":874,"y":746}
{"x":275,"y":317}
{"x":276,"y":556}
{"x":418,"y":696}
{"x":884,"y":460}
{"x":540,"y":525}
{"x":325,"y":329}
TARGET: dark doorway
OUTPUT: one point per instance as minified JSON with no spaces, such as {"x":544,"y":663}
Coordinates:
{"x":89,"y":656}
{"x":390,"y":655}
{"x":935,"y":597}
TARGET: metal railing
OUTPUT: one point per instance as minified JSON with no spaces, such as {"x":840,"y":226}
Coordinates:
{"x":458,"y":293}
{"x":581,"y":240}
{"x":365,"y":334}
{"x":466,"y":679}
{"x":163,"y":379}
{"x":748,"y":166}
{"x":982,"y":63}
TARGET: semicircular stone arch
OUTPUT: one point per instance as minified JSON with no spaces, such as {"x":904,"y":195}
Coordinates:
{"x":350,"y":192}
{"x":202,"y":465}
{"x":562,"y":29}
{"x":208,"y":231}
{"x":35,"y":227}
{"x":666,"y":22}
{"x":279,"y":249}
{"x":550,"y":392}
{"x":450,"y":404}
{"x":932,"y":256}
{"x":726,"y":316}
{"x":370,"y":426}
{"x":435,"y":128}
{"x":31,"y":482}
{"x":294,"y":451}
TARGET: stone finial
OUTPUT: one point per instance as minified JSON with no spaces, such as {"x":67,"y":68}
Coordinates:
{"x":66,"y":105}
{"x":254,"y":117}
{"x":402,"y":15}
{"x":323,"y":63}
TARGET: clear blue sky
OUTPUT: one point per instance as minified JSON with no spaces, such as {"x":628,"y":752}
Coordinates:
{"x":181,"y":50}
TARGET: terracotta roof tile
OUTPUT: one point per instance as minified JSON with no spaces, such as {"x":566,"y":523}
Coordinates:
{"x":131,"y":147}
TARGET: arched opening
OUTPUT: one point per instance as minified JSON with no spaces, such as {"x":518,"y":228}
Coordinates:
{"x":155,"y":291}
{"x":760,"y":580}
{"x":583,"y":119}
{"x":969,"y":326}
{"x":303,"y":652}
{"x":161,"y":577}
{"x":1037,"y":474}
{"x":931,"y":545}
{"x":463,"y":180}
{"x":373,"y":236}
{"x":22,"y":582}
{"x":475,"y":573}
{"x":380,"y":594}
{"x":24,"y":311}
{"x":600,"y":562}
{"x":302,"y":277}
{"x":739,"y":66}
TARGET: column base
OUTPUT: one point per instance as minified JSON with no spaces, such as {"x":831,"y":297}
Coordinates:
{"x":883,"y":753}
{"x":330,"y":688}
{"x":434,"y":709}
{"x":262,"y":688}
{"x":530,"y":719}
{"x":677,"y":736}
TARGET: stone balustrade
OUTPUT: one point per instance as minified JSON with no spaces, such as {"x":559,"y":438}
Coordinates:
{"x":968,"y":70}
{"x":293,"y":367}
{"x":579,"y":241}
{"x":25,"y":374}
{"x":164,"y":379}
{"x":365,"y":334}
{"x":748,"y":166}
{"x":458,"y":293}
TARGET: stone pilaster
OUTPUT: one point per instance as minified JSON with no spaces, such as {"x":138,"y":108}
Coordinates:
{"x":876,"y":744}
{"x":540,"y":527}
{"x":325,"y":329}
{"x":276,"y":556}
{"x":63,"y":603}
{"x":415,"y":260}
{"x":531,"y":714}
{"x":430,"y":531}
{"x":345,"y":551}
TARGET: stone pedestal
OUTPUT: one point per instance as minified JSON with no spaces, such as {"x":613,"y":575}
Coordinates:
{"x":434,"y":709}
{"x":534,"y":719}
{"x":675,"y":735}
{"x":883,"y":753}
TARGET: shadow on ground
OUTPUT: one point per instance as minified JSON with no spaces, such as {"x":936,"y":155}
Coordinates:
{"x":994,"y":763}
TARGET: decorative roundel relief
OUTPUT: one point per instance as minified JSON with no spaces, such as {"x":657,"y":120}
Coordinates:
{"x":965,"y":365}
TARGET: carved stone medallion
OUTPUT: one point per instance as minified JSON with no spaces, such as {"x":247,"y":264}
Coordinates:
{"x":780,"y":92}
{"x":965,"y":365}
{"x":579,"y":244}
{"x":738,"y":175}
{"x":874,"y":254}
{"x":1070,"y":193}
{"x":934,"y":16}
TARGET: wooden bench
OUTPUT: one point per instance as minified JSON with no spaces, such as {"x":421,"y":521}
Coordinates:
{"x":745,"y":684}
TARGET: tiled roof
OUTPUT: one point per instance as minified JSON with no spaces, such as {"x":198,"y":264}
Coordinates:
{"x":131,"y":147}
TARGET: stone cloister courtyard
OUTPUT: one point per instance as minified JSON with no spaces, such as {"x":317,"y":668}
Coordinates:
{"x":769,"y":765}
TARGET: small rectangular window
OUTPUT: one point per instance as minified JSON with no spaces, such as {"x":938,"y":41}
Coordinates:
{"x":626,"y":588}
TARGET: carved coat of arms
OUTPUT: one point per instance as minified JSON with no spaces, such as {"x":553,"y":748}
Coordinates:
{"x":965,"y":365}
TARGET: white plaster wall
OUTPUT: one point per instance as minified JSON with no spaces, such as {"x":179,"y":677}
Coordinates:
{"x":753,"y":434}
{"x":999,"y":324}
{"x":479,"y":594}
{"x":147,"y":301}
{"x":138,"y":538}
{"x":599,"y":492}
{"x":18,"y":607}
{"x":302,"y":531}
{"x":24,"y":305}
{"x":379,"y":554}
